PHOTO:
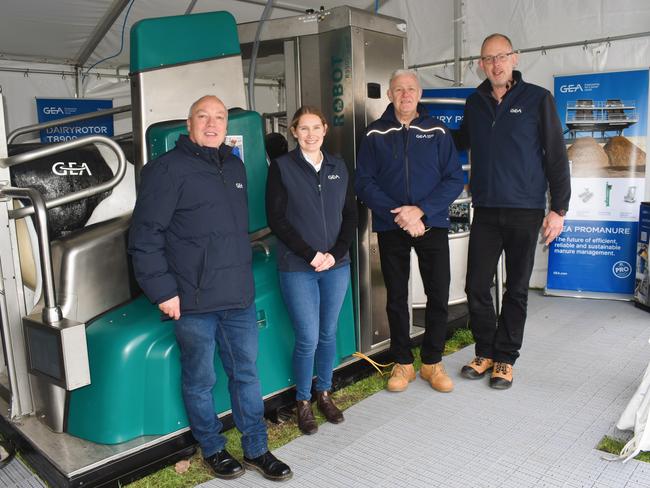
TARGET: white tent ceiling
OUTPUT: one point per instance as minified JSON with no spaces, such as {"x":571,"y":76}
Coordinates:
{"x":65,"y":31}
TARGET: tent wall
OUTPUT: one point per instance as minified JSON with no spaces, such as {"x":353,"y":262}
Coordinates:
{"x":529,"y":23}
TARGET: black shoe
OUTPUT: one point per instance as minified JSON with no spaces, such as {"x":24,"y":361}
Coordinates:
{"x":327,"y":408}
{"x":306,"y":421}
{"x":269,"y":466}
{"x":224,"y":466}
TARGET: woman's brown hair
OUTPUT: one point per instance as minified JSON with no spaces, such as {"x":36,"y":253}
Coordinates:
{"x":307,"y":109}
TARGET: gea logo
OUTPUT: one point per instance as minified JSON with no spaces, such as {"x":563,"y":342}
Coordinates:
{"x":515,"y":110}
{"x":53,"y":110}
{"x":70,"y":169}
{"x":333,"y":177}
{"x":239,"y":185}
{"x":570,"y":88}
{"x":621,"y":269}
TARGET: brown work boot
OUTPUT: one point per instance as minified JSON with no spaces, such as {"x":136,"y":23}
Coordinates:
{"x":476,"y":368}
{"x":437,"y":377}
{"x":400,"y":377}
{"x":306,"y":421}
{"x":501,"y":376}
{"x":327,"y":408}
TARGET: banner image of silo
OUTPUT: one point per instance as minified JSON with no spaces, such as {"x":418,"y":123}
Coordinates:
{"x":605,"y":122}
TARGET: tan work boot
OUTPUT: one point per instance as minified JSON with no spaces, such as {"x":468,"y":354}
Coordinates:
{"x":477,"y":368}
{"x":501,"y":376}
{"x":400,"y":377}
{"x":437,"y":377}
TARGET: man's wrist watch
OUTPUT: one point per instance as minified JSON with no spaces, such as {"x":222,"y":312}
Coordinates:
{"x":561,"y":212}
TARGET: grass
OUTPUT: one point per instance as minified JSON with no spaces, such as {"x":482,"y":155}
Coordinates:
{"x":614,"y":446}
{"x":286,"y":431}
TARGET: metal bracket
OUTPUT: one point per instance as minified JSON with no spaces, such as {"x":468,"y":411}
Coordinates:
{"x":3,"y":197}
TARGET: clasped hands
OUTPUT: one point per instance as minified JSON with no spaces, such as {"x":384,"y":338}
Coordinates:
{"x":409,"y":218}
{"x":322,"y":261}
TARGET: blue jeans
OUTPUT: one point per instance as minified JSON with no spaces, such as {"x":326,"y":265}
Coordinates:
{"x":314,"y":300}
{"x":235,"y":332}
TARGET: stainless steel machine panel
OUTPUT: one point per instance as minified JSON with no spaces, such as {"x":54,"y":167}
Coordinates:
{"x":167,"y":94}
{"x":336,"y":69}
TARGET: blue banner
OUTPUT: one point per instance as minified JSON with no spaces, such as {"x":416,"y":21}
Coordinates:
{"x":450,"y":114}
{"x":605,"y":122}
{"x":57,"y":108}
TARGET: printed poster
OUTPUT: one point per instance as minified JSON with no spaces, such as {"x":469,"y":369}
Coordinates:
{"x":57,"y":108}
{"x":605,"y":122}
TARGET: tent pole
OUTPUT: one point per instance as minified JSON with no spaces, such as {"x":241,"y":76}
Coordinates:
{"x":458,"y":41}
{"x":100,"y":31}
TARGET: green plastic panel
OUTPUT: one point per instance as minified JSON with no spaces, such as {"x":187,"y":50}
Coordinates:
{"x":248,"y":125}
{"x":135,"y":370}
{"x":167,"y":41}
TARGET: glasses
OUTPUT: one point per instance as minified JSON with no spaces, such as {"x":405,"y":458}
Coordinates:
{"x":501,"y":58}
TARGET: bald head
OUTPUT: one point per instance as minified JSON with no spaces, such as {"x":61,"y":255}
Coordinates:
{"x":208,"y":121}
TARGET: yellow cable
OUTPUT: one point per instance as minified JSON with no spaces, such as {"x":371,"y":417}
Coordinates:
{"x":374,"y":364}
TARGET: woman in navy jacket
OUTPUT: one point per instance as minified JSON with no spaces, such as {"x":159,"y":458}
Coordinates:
{"x":312,"y":210}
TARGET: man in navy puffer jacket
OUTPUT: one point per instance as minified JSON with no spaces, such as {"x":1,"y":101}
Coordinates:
{"x":518,"y":153}
{"x":408,"y":174}
{"x":192,"y":257}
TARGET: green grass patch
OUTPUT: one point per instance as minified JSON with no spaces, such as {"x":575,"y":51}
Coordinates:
{"x":286,"y":431}
{"x":614,"y":446}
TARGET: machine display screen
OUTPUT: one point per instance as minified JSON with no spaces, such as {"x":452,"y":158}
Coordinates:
{"x":45,"y":352}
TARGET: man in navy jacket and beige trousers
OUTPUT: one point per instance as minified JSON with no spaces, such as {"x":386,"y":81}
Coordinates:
{"x":517,"y":153}
{"x":407,"y":174}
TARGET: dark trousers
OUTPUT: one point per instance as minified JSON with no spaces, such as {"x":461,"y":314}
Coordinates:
{"x":494,"y":230}
{"x":432,"y":250}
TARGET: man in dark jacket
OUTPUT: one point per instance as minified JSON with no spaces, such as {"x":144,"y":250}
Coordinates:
{"x":407,"y":174}
{"x":192,"y":256}
{"x":518,"y":151}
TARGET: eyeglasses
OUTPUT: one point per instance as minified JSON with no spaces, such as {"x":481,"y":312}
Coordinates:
{"x":501,"y":58}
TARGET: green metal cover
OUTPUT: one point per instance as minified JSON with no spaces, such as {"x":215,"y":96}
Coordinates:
{"x":180,"y":39}
{"x":135,"y":364}
{"x":162,"y":137}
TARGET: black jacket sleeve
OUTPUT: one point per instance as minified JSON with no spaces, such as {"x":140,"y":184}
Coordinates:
{"x":556,"y":161}
{"x":348,"y":225}
{"x":276,"y":214}
{"x":154,"y":209}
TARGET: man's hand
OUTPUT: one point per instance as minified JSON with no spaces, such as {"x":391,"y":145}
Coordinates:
{"x":171,"y":308}
{"x":327,"y":263}
{"x":416,"y":229}
{"x":407,"y":215}
{"x":553,"y":224}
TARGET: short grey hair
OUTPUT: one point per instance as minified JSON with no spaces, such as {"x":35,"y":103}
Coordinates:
{"x":404,"y":72}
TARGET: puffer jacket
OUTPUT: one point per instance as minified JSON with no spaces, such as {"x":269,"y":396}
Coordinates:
{"x":189,"y":234}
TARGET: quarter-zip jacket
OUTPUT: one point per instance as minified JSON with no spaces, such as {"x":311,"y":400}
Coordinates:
{"x":517,"y":148}
{"x":189,"y":234}
{"x":399,"y":166}
{"x":310,"y":211}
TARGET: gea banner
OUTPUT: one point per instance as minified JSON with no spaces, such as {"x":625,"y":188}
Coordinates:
{"x":57,"y":108}
{"x":605,"y":122}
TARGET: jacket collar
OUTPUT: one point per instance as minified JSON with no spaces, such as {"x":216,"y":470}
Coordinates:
{"x":296,"y":154}
{"x":389,"y":114}
{"x":209,"y":154}
{"x":485,"y":88}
